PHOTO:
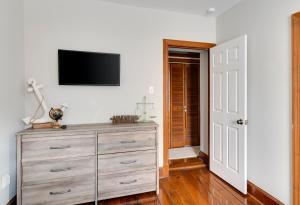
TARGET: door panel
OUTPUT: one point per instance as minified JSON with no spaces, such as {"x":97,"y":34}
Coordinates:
{"x":177,"y":105}
{"x":217,"y":139}
{"x":185,"y":122}
{"x":217,"y":91}
{"x":228,"y":114}
{"x":192,"y":90}
{"x":232,"y":105}
{"x":232,"y":163}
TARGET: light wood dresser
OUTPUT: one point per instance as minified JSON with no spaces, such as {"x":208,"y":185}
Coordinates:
{"x":86,"y":163}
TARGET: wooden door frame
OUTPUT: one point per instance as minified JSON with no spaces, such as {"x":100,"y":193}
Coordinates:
{"x":168,"y":43}
{"x":296,"y":108}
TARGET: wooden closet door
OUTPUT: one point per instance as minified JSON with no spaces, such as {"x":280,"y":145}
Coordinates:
{"x":192,"y":102}
{"x":177,"y":96}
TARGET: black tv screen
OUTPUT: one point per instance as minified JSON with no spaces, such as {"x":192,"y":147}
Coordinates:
{"x":88,"y":68}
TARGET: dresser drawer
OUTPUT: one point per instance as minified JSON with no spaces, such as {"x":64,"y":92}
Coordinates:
{"x":58,"y":147}
{"x":117,"y":185}
{"x":57,"y":170}
{"x":124,"y":162}
{"x":79,"y":190}
{"x":126,"y":141}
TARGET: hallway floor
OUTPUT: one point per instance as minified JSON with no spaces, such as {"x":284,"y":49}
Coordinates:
{"x":189,"y":187}
{"x":184,"y":152}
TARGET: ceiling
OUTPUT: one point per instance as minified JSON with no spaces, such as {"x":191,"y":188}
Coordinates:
{"x":184,"y":6}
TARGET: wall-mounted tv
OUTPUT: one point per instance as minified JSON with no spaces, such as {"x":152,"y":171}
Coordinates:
{"x":88,"y":68}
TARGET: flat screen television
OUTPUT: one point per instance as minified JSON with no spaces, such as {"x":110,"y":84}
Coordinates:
{"x":88,"y":68}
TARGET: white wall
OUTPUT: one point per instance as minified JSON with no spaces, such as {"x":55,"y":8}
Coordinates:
{"x":135,"y":33}
{"x":267,"y":24}
{"x":11,"y":89}
{"x":204,"y":101}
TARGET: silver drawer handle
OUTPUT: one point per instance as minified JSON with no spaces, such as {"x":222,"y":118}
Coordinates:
{"x":128,"y":142}
{"x":61,"y":170}
{"x":128,"y":162}
{"x":129,"y":182}
{"x":60,"y":192}
{"x":62,"y":147}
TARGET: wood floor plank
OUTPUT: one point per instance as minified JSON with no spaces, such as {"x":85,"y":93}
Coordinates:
{"x":181,"y":188}
{"x":188,"y":187}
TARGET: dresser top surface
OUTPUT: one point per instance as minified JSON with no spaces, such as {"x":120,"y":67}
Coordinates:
{"x":92,"y":127}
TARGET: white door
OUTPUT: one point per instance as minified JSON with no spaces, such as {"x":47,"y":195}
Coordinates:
{"x":228,"y":112}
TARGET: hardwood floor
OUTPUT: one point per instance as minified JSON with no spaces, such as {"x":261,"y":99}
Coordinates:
{"x":188,"y":187}
{"x":199,"y":187}
{"x":140,"y":199}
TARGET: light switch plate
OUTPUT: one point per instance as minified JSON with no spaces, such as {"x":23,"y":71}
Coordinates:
{"x":151,"y":90}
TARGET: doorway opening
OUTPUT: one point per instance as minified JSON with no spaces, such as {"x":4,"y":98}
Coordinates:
{"x":227,"y":108}
{"x":188,"y":71}
{"x":182,"y":100}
